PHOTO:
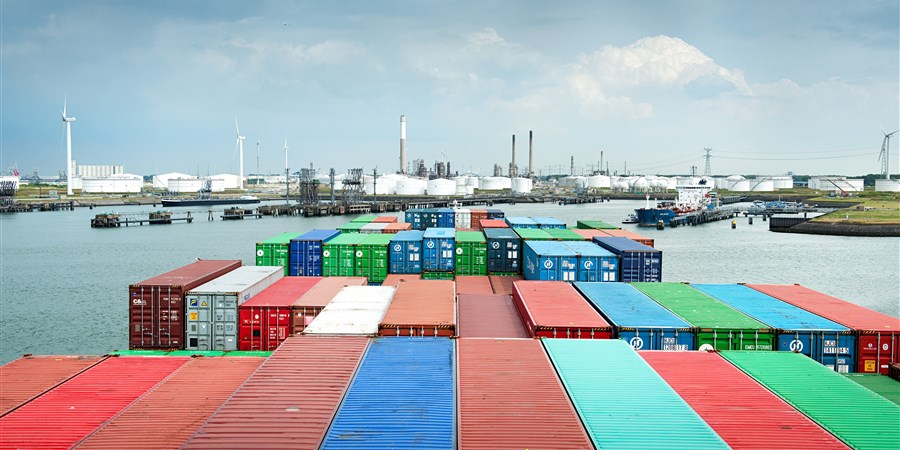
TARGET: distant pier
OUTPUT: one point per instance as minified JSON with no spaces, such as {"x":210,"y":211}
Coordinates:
{"x":114,"y":220}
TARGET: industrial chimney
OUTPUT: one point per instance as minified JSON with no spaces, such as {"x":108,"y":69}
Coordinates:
{"x":530,"y":155}
{"x":403,"y":144}
{"x":512,"y":165}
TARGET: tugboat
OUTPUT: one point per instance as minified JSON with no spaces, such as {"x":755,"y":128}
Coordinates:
{"x":631,"y":218}
{"x":692,"y":198}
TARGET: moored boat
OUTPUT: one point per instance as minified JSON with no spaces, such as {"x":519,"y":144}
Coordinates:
{"x":690,"y":199}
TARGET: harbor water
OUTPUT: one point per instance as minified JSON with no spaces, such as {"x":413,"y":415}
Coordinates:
{"x":64,"y":285}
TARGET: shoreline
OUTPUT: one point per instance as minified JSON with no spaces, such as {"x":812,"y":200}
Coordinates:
{"x":843,"y":229}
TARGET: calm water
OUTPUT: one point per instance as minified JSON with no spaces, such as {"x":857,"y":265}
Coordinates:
{"x":64,"y":285}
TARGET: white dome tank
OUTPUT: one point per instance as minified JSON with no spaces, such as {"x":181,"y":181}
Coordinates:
{"x":598,"y":181}
{"x":762,"y":185}
{"x":383,"y":186}
{"x":473,"y":182}
{"x":640,"y":185}
{"x":411,"y":186}
{"x":521,"y":185}
{"x":783,"y":182}
{"x":441,"y":187}
{"x":740,"y":186}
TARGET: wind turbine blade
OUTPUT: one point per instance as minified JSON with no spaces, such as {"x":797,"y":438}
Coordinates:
{"x":882,"y":128}
{"x":65,"y":101}
{"x":236,"y":128}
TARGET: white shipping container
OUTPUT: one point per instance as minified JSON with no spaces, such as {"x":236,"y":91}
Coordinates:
{"x":462,"y":217}
{"x":373,"y":228}
{"x":211,"y":309}
{"x":355,"y":310}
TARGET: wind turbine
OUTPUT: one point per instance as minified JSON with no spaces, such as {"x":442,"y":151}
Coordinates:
{"x":257,"y":163}
{"x":885,"y":153}
{"x":287,"y":176}
{"x":240,"y":145}
{"x":67,"y":121}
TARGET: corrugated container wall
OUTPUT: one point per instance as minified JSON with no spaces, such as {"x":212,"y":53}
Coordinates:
{"x":339,"y":255}
{"x":462,"y":218}
{"x":503,"y":284}
{"x":306,"y":252}
{"x":28,"y":377}
{"x":415,"y":218}
{"x":494,"y":213}
{"x":212,"y":308}
{"x":473,"y":285}
{"x":397,"y":227}
{"x":421,"y":308}
{"x":503,"y":251}
{"x":548,"y":261}
{"x":471,"y":253}
{"x":554,"y":309}
{"x":563,"y":234}
{"x":488,"y":316}
{"x":385,"y":219}
{"x":365,"y":218}
{"x":548,"y":222}
{"x":406,"y":252}
{"x":373,"y":227}
{"x":446,"y":218}
{"x":355,"y":310}
{"x":372,"y":257}
{"x":267,"y":319}
{"x":438,"y":250}
{"x":520,"y":222}
{"x":637,"y":262}
{"x":594,"y":263}
{"x":640,"y":239}
{"x":637,"y":319}
{"x":622,"y":401}
{"x":879,"y":384}
{"x":595,"y":225}
{"x":477,"y":215}
{"x":156,"y":305}
{"x":493,"y":223}
{"x":533,"y":234}
{"x":276,"y":251}
{"x":307,"y":307}
{"x":403,"y":396}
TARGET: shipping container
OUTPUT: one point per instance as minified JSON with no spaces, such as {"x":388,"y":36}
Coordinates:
{"x":421,"y":308}
{"x":594,"y":263}
{"x":385,"y":219}
{"x":406,"y":252}
{"x":716,"y":323}
{"x":637,"y":262}
{"x":403,"y":396}
{"x":854,"y":414}
{"x":140,"y":352}
{"x":880,"y":384}
{"x":156,"y":305}
{"x":503,"y":284}
{"x":745,"y":414}
{"x":473,"y":285}
{"x":595,"y":225}
{"x":462,"y":218}
{"x":520,"y":222}
{"x":365,"y":218}
{"x":351,"y":227}
{"x":372,"y":257}
{"x":438,"y":250}
{"x":471,"y":253}
{"x":438,"y":275}
{"x":267,"y":319}
{"x":28,"y":377}
{"x":394,"y":228}
{"x":394,"y":279}
{"x":415,"y":217}
{"x":492,"y":223}
{"x":563,"y":234}
{"x":533,"y":234}
{"x":477,"y":215}
{"x":878,"y":335}
{"x":276,"y":251}
{"x":339,"y":255}
{"x":796,"y":330}
{"x":306,"y":252}
{"x":894,"y":371}
{"x":622,"y":402}
{"x":640,"y":239}
{"x":548,"y":261}
{"x":515,"y":409}
{"x":167,"y":415}
{"x":554,"y":309}
{"x":588,"y":234}
{"x":76,"y":408}
{"x":637,"y":319}
{"x":307,"y":307}
{"x":494,"y":213}
{"x":548,"y":222}
{"x":446,"y":218}
{"x":355,"y":310}
{"x":504,"y":249}
{"x":489,"y":316}
{"x":373,"y":227}
{"x":290,"y":400}
{"x":211,"y":315}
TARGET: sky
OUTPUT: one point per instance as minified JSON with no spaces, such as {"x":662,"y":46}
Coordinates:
{"x":770,"y":86}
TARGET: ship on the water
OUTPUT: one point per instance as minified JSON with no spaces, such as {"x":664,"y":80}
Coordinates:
{"x":690,"y":199}
{"x":204,"y":198}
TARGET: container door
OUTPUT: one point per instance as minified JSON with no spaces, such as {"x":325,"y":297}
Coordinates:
{"x":876,"y":352}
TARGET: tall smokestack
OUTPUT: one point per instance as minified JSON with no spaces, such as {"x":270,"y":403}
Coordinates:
{"x":512,"y":165}
{"x":530,"y":155}
{"x":403,"y":144}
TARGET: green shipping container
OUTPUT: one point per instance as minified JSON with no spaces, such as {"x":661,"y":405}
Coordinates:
{"x":563,"y":234}
{"x":882,"y":385}
{"x":365,"y":218}
{"x":534,"y":234}
{"x":594,"y":225}
{"x":192,"y":353}
{"x":339,"y":255}
{"x":275,"y":251}
{"x":719,"y":325}
{"x":372,"y":257}
{"x":856,"y":415}
{"x":139,"y":352}
{"x":622,"y":401}
{"x":253,"y":353}
{"x":437,"y":275}
{"x":471,"y":253}
{"x":351,"y":227}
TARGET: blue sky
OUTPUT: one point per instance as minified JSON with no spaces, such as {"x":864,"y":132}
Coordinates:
{"x":770,"y":86}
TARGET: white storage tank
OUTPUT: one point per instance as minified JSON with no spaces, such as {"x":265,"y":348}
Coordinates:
{"x":493,"y":183}
{"x":892,"y":185}
{"x":762,"y":185}
{"x":740,"y":186}
{"x":472,"y":182}
{"x":441,"y":187}
{"x":383,"y":186}
{"x":783,"y":182}
{"x":640,"y":185}
{"x":722,"y":183}
{"x":185,"y":184}
{"x":115,"y":184}
{"x":411,"y":186}
{"x":598,"y":181}
{"x":470,"y":190}
{"x":521,"y":185}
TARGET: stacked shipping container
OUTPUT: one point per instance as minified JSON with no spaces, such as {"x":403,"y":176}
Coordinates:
{"x":553,"y":309}
{"x":637,"y":262}
{"x":266,"y":320}
{"x":307,"y":307}
{"x":306,"y":252}
{"x":275,"y":251}
{"x":421,"y":308}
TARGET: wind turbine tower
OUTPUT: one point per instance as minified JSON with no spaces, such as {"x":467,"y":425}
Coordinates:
{"x":68,"y":123}
{"x":240,"y":144}
{"x":708,"y":170}
{"x":885,"y":153}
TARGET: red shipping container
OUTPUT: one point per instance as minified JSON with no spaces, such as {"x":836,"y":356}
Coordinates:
{"x":156,"y":305}
{"x":170,"y":413}
{"x":630,"y":235}
{"x":397,"y":227}
{"x":505,"y":408}
{"x":266,"y":320}
{"x":28,"y":377}
{"x":468,"y":284}
{"x":493,"y":223}
{"x":385,"y":219}
{"x":395,"y":279}
{"x":554,"y":309}
{"x":310,"y":304}
{"x":489,"y":316}
{"x":477,"y":216}
{"x":68,"y":413}
{"x":878,"y":335}
{"x":744,"y":413}
{"x":290,"y":400}
{"x":589,"y":234}
{"x":503,"y":285}
{"x":421,"y":308}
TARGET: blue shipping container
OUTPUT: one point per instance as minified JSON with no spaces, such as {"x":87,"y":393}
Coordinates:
{"x":798,"y":330}
{"x":520,"y":222}
{"x":503,"y":250}
{"x":495,"y":213}
{"x":548,"y":222}
{"x":414,"y":217}
{"x":638,"y":319}
{"x":305,"y":257}
{"x":446,"y":218}
{"x":406,"y":252}
{"x":439,"y":250}
{"x":637,"y":262}
{"x":403,"y":396}
{"x":595,"y":263}
{"x":548,"y":261}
